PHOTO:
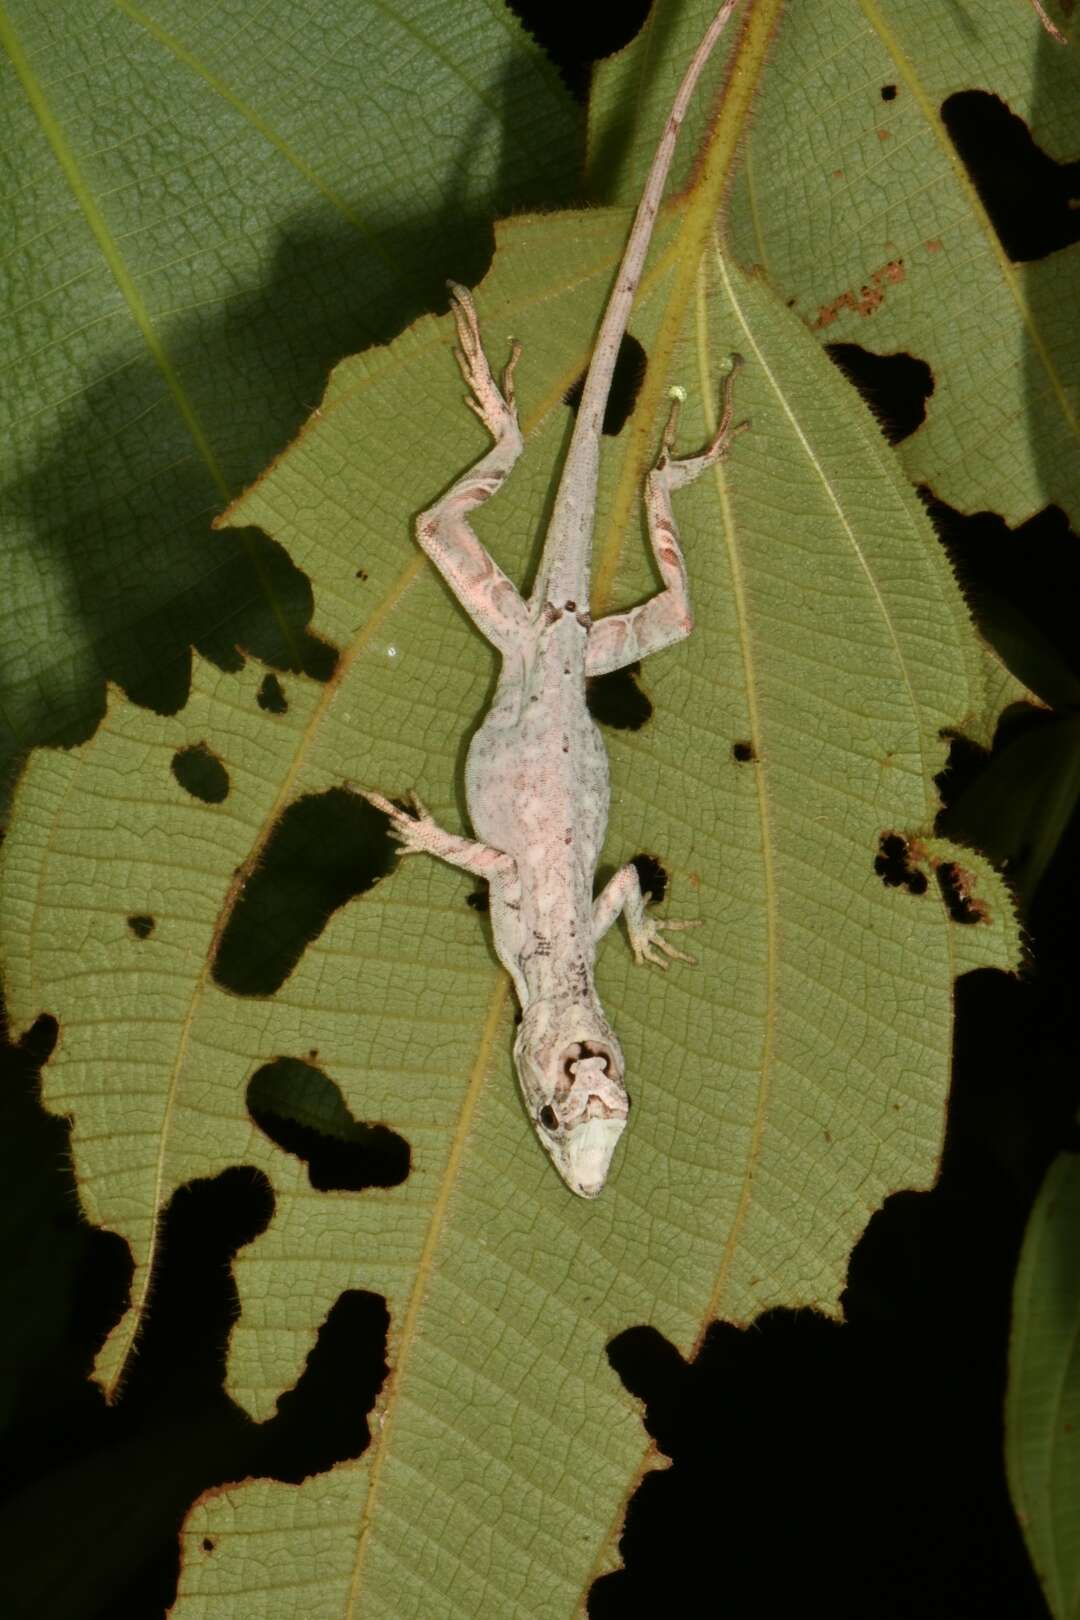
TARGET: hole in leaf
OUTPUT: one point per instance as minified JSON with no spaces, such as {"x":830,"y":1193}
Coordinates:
{"x":1004,"y":573}
{"x":142,"y":926}
{"x":65,"y":1281}
{"x":320,"y":659}
{"x":652,"y":877}
{"x":1030,"y":197}
{"x":767,"y":1425}
{"x":201,"y":773}
{"x":276,"y":615}
{"x":174,"y":1434}
{"x":625,"y":386}
{"x":616,"y":700}
{"x":272,"y":695}
{"x":895,"y":386}
{"x":576,"y":38}
{"x":323,"y":1419}
{"x":888,"y":92}
{"x":303,"y":1111}
{"x":743,"y":752}
{"x":324,"y":850}
{"x":478,"y":900}
{"x":966,"y":762}
{"x":896,"y":867}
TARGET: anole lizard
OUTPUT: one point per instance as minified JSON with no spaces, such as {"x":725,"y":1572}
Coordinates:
{"x":536,"y":777}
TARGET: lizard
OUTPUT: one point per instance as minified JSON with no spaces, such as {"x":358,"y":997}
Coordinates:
{"x":536,"y":776}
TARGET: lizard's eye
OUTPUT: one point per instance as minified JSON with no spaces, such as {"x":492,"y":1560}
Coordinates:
{"x":548,"y":1118}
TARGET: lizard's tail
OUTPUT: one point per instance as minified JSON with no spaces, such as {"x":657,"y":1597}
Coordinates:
{"x":576,"y":499}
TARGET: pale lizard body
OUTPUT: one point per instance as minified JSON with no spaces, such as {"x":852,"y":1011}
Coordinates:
{"x":536,"y":778}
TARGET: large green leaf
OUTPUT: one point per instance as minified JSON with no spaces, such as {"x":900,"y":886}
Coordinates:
{"x":782,"y":1088}
{"x":1043,"y":1406}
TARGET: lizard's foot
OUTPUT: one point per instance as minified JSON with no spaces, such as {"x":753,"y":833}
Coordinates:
{"x":418,"y":833}
{"x":680,"y":470}
{"x":412,"y":828}
{"x":647,"y":941}
{"x":494,"y":406}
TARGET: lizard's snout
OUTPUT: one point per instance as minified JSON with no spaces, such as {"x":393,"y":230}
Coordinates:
{"x":589,"y":1150}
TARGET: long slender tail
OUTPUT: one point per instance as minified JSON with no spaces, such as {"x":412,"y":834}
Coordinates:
{"x":576,"y":499}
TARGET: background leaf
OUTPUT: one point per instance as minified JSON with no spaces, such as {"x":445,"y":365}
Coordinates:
{"x":888,"y":240}
{"x":205,"y":210}
{"x":1043,"y":1410}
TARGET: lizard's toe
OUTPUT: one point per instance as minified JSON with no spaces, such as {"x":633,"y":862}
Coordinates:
{"x":377,"y":800}
{"x":651,"y":946}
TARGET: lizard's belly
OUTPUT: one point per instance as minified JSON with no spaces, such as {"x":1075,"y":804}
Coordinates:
{"x":537,"y":785}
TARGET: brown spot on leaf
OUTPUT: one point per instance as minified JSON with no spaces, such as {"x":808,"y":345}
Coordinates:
{"x":869,"y":297}
{"x":956,"y":884}
{"x":904,"y":862}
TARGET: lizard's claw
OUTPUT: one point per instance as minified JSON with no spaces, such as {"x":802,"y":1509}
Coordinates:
{"x":648,"y":942}
{"x":494,"y":406}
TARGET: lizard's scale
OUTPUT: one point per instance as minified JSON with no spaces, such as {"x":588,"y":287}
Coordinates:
{"x":536,"y":778}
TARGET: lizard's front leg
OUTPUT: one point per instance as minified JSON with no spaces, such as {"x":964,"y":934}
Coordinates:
{"x":484,"y":591}
{"x":418,"y":833}
{"x":623,"y":893}
{"x":622,"y":638}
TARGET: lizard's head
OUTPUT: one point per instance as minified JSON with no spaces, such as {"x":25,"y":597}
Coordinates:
{"x":570,"y":1068}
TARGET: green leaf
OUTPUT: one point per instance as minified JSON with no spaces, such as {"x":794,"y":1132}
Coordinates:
{"x":192,"y":941}
{"x":1042,"y":1435}
{"x":855,"y":203}
{"x":203,"y":215}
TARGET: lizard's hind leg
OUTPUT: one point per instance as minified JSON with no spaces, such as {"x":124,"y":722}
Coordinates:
{"x":623,"y":638}
{"x":419,"y":834}
{"x":484,"y":591}
{"x":623,"y":893}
